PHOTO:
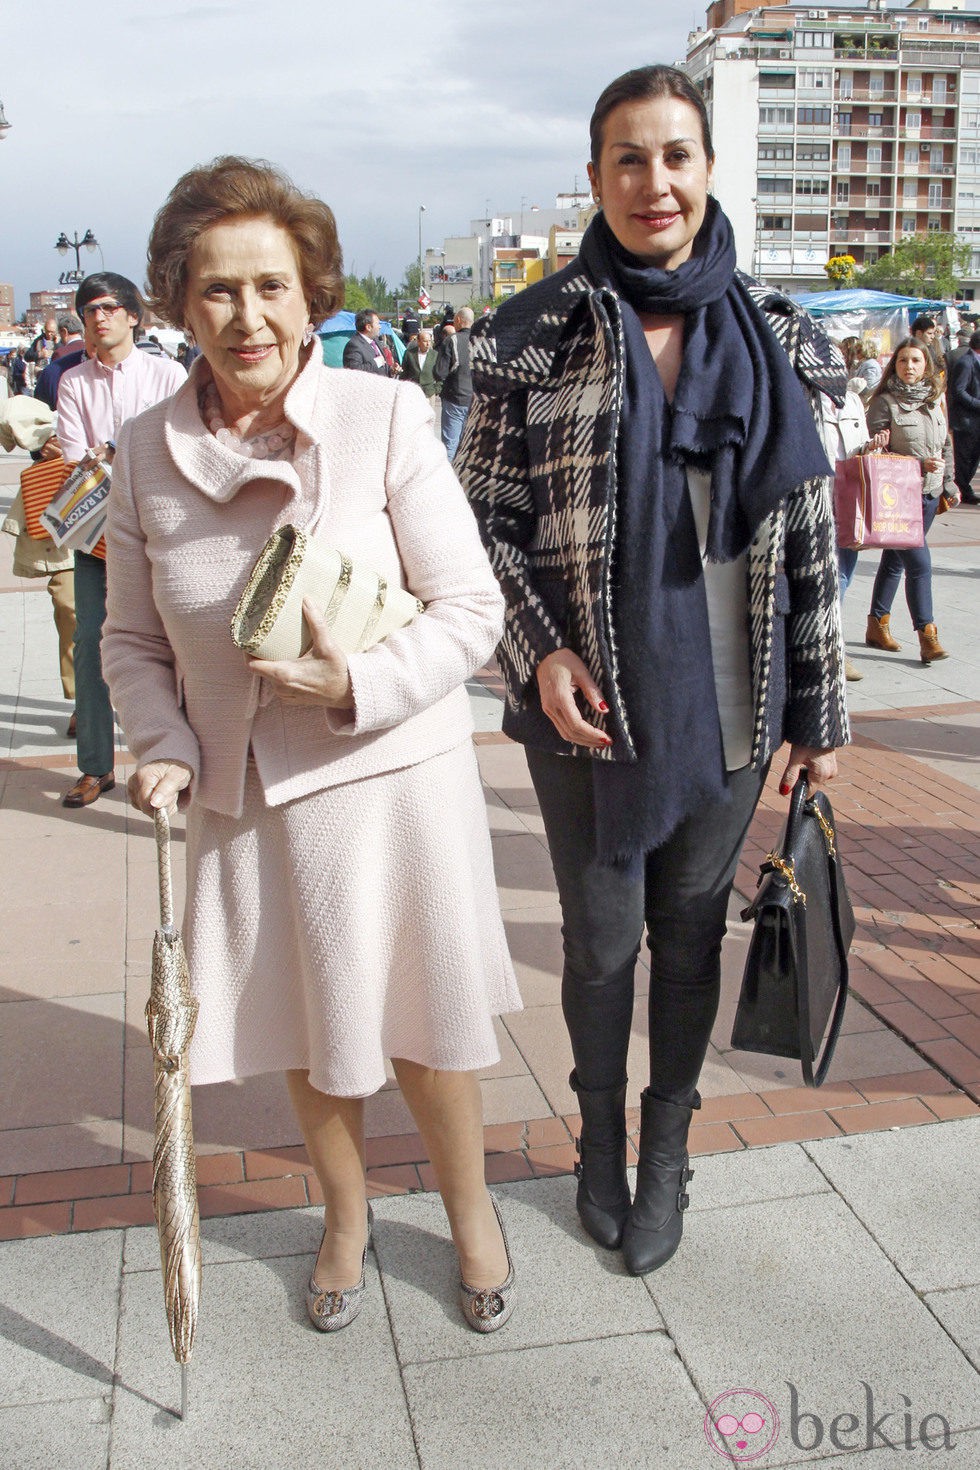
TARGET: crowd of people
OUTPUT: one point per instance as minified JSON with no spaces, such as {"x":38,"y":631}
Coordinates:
{"x":438,"y":361}
{"x":631,"y":504}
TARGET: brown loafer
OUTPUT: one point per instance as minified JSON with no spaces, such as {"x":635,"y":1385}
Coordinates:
{"x":72,"y":730}
{"x":88,"y":789}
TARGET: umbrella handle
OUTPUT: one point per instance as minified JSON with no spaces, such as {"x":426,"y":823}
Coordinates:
{"x":162,"y":823}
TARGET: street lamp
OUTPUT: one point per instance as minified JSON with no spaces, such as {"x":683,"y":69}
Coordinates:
{"x":63,"y":245}
{"x":4,"y":124}
{"x":421,"y":212}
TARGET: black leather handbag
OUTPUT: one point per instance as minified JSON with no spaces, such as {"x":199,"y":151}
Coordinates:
{"x":795,"y":979}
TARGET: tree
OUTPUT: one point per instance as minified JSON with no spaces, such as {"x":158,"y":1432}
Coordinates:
{"x":411,"y":282}
{"x":930,"y":264}
{"x":840,"y":269}
{"x":355,"y":296}
{"x":360,"y":292}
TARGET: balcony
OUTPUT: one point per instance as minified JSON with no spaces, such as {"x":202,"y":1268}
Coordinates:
{"x":866,"y":94}
{"x":861,"y":130}
{"x":862,"y":237}
{"x":861,"y":167}
{"x":859,"y":55}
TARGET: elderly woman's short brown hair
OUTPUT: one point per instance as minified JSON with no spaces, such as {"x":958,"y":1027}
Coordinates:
{"x":242,"y":188}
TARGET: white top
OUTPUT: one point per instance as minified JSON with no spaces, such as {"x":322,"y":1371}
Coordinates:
{"x":726,"y":589}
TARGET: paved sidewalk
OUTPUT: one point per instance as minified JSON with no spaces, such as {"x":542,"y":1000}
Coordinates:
{"x":832,"y":1240}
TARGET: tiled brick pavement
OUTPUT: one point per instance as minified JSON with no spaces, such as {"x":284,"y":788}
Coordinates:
{"x":909,"y":830}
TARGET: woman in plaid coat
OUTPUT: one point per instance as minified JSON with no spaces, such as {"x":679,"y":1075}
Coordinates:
{"x":643,"y":459}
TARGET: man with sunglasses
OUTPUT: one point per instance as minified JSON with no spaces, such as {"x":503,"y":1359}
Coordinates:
{"x":94,"y":401}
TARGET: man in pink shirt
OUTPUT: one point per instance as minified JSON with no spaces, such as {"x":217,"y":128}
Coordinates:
{"x":94,"y":400}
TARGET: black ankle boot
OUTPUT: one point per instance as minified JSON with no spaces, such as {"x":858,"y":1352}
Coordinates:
{"x":653,"y":1231}
{"x":603,"y":1198}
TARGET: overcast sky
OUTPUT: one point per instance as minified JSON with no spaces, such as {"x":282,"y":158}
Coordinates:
{"x":377,"y":107}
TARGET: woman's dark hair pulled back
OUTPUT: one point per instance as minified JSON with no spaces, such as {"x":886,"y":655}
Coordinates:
{"x":640,"y":85}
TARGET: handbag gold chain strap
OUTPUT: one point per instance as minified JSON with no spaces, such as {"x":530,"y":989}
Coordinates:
{"x":785,"y":869}
{"x":825,"y":827}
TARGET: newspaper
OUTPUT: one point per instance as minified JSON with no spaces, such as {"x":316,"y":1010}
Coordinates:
{"x":76,"y":516}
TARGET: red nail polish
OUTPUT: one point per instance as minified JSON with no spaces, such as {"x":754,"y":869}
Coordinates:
{"x":603,"y":707}
{"x":784,"y":788}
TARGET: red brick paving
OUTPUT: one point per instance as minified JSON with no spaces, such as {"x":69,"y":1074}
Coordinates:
{"x":915,"y":963}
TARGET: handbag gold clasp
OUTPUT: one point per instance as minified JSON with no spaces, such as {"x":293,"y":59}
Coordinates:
{"x":826,"y":829}
{"x":785,"y":869}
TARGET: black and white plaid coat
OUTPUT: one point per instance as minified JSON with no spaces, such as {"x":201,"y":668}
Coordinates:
{"x":538,"y":463}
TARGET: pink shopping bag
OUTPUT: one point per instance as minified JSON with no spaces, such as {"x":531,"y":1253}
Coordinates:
{"x":878,"y":501}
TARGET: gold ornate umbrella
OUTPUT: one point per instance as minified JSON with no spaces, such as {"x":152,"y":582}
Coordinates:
{"x":171,"y":1014}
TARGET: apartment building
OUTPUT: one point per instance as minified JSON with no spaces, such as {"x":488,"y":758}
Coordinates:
{"x":485,"y":262}
{"x":840,"y":129}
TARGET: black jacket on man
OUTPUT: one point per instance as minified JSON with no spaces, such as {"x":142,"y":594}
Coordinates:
{"x":453,"y":368}
{"x":359,"y":353}
{"x":963,"y":396}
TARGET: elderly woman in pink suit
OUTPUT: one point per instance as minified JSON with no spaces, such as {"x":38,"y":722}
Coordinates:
{"x":341,"y":900}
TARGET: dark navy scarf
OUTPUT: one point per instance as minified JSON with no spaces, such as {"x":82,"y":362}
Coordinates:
{"x":740,"y":413}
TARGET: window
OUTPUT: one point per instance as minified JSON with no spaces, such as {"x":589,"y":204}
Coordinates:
{"x":922,"y":24}
{"x":934,"y":225}
{"x":936,"y":156}
{"x":970,"y":82}
{"x":843,"y":157}
{"x":776,"y":81}
{"x":846,"y":84}
{"x":908,"y":224}
{"x":818,"y":79}
{"x":813,"y":188}
{"x":969,"y":157}
{"x":911,"y":157}
{"x":910,"y":189}
{"x":874,"y":155}
{"x":876,"y":85}
{"x":773,"y":151}
{"x":843,"y":124}
{"x":772,"y":222}
{"x":780,"y":116}
{"x":913,"y":121}
{"x":876,"y":119}
{"x":843,"y":192}
{"x":814,"y":152}
{"x":935,"y":196}
{"x":775,"y":186}
{"x":815,"y":40}
{"x":913,"y":84}
{"x":814,"y":116}
{"x":939,"y":89}
{"x":874,"y":189}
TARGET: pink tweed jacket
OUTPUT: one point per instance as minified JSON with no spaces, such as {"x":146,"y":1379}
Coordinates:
{"x":187,"y":518}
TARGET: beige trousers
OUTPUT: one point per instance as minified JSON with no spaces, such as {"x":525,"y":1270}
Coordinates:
{"x":61,"y":586}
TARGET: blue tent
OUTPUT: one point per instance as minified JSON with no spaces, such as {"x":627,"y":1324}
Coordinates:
{"x":336,"y":332}
{"x":834,"y":303}
{"x":877,"y":317}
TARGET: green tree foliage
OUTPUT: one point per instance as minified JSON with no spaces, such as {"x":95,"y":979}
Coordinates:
{"x":355,"y":296}
{"x":929,"y":265}
{"x":360,"y":292}
{"x":411,"y":281}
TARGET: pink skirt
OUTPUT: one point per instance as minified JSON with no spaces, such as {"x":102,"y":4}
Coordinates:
{"x":358,"y":923}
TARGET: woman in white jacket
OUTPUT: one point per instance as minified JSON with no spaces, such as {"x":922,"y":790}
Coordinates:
{"x":341,"y":899}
